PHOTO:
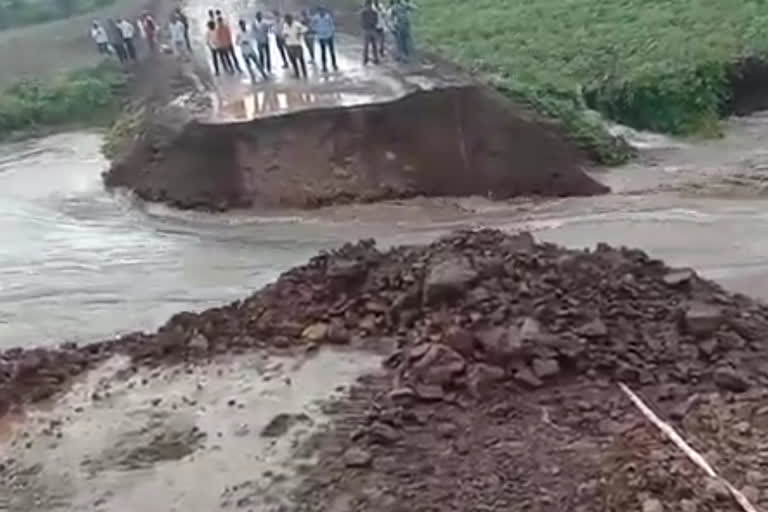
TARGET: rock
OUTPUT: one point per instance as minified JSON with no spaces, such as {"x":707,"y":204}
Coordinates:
{"x":460,"y":340}
{"x":702,"y":319}
{"x":716,"y":489}
{"x":520,"y":242}
{"x":448,"y":280}
{"x":501,"y":345}
{"x":447,"y":429}
{"x":483,"y":378}
{"x":526,"y":377}
{"x":652,"y":505}
{"x":530,"y":330}
{"x":401,"y":394}
{"x":754,"y":478}
{"x":429,"y":392}
{"x":357,"y":458}
{"x":440,"y":365}
{"x":315,"y":332}
{"x":594,"y":329}
{"x":383,"y":433}
{"x":282,"y":423}
{"x":751,"y":493}
{"x":708,"y":346}
{"x":688,"y":506}
{"x":679,"y":277}
{"x":545,"y":368}
{"x":729,"y":379}
{"x":199,"y":342}
{"x":337,"y":333}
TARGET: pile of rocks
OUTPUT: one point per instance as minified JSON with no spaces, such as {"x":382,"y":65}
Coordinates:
{"x":470,"y":309}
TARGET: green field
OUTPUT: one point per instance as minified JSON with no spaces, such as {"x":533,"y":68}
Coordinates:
{"x":651,"y":64}
{"x":73,"y":97}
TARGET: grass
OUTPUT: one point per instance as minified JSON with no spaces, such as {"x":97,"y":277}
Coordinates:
{"x":659,"y":65}
{"x":74,"y":97}
{"x":14,"y":13}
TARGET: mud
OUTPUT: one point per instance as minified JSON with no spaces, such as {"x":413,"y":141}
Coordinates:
{"x":122,"y":439}
{"x":500,"y":392}
{"x":452,"y":142}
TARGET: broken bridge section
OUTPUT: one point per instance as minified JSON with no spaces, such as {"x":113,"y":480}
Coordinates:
{"x":457,"y":140}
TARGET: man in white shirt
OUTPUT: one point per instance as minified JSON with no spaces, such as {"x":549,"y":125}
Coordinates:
{"x":248,"y":51}
{"x":99,"y":35}
{"x":128,"y":31}
{"x":293,"y":32}
{"x":178,"y":37}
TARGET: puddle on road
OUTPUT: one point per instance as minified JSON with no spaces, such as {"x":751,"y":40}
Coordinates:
{"x":270,"y":102}
{"x":219,"y":437}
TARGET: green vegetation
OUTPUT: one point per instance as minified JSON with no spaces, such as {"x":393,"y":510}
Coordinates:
{"x":660,"y":65}
{"x":74,"y":97}
{"x":25,"y":12}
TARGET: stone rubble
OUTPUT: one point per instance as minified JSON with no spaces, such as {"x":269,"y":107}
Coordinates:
{"x":458,"y":319}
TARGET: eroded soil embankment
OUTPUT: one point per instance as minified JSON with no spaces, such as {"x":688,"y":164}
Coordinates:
{"x":451,"y":142}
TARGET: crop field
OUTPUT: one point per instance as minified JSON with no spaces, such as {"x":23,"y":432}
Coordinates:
{"x":660,"y":65}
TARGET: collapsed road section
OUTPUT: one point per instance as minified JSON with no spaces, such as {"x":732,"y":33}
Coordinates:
{"x":500,"y":389}
{"x":454,"y":141}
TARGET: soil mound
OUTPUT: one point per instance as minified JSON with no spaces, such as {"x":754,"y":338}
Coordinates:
{"x":451,"y":142}
{"x":488,"y":336}
{"x":473,"y":306}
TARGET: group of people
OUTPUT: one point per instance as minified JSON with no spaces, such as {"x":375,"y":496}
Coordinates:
{"x":378,"y":22}
{"x":119,"y":36}
{"x":291,"y":34}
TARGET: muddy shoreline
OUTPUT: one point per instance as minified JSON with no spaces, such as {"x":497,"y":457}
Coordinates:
{"x":468,"y":322}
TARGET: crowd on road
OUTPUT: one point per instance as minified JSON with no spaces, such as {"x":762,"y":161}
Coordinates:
{"x":120,"y":37}
{"x":313,"y":29}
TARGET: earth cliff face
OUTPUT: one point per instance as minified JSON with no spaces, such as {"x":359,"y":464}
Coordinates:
{"x":456,"y":141}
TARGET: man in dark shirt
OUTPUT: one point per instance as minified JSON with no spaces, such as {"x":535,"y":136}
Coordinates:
{"x":369,"y":20}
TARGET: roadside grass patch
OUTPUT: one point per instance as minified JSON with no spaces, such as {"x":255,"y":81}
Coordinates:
{"x":74,"y":97}
{"x":16,"y":13}
{"x":660,"y":65}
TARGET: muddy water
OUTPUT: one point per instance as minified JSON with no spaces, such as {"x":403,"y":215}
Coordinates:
{"x":79,"y":264}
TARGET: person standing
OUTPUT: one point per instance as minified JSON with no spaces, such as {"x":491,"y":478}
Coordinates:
{"x":226,"y":44}
{"x":401,"y":27}
{"x":178,"y":42}
{"x":293,"y":32}
{"x":381,"y":26}
{"x":325,"y":29}
{"x":185,"y":21}
{"x":129,"y":32}
{"x":279,"y":29}
{"x":369,"y":20}
{"x":150,"y":31}
{"x":99,"y":36}
{"x":115,"y":37}
{"x":248,"y":51}
{"x":309,"y":35}
{"x":212,"y":38}
{"x":260,"y":31}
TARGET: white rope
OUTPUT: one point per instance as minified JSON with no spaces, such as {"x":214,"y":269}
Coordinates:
{"x":692,"y":454}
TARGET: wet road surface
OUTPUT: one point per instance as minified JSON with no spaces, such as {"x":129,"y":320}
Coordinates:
{"x":239,"y":98}
{"x":222,"y":437}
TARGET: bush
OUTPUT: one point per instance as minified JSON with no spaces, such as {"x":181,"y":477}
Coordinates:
{"x":659,"y":65}
{"x":74,"y":97}
{"x":15,"y":13}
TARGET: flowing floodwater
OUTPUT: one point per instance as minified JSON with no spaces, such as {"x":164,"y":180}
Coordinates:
{"x":78,"y":263}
